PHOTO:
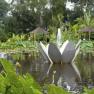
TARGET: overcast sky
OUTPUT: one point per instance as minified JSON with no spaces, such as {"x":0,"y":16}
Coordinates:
{"x":8,"y":1}
{"x":69,"y":5}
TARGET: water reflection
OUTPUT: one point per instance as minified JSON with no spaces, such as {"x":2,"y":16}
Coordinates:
{"x":36,"y":65}
{"x":86,"y":67}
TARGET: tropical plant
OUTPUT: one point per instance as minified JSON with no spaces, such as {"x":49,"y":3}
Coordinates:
{"x":11,"y":83}
{"x":52,"y":89}
{"x":87,"y":46}
{"x":14,"y":83}
{"x":88,"y":91}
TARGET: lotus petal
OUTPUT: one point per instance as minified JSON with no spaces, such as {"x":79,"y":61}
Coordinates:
{"x":64,"y":46}
{"x":44,"y":50}
{"x":54,"y":53}
{"x":76,"y":53}
{"x":77,"y":45}
{"x":68,"y":53}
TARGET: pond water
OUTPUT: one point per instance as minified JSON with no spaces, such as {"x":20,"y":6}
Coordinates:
{"x":37,"y":66}
{"x":85,"y":63}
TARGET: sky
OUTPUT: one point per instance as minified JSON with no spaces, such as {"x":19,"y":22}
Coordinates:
{"x":69,"y":5}
{"x":8,"y":1}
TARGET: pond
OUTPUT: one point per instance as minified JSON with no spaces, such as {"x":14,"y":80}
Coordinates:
{"x":85,"y":63}
{"x":37,"y":66}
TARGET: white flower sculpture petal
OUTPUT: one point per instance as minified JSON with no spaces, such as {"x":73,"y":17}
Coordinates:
{"x":68,"y":52}
{"x":54,"y":53}
{"x":65,"y":54}
{"x":44,"y":50}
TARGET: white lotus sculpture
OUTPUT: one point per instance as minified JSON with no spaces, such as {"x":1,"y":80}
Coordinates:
{"x":64,"y":54}
{"x":60,"y":53}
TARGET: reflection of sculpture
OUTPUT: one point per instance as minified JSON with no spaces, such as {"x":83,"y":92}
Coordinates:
{"x":65,"y":53}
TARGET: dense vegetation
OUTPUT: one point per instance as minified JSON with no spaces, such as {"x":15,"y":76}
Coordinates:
{"x":11,"y":82}
{"x":23,"y":16}
{"x":18,"y":18}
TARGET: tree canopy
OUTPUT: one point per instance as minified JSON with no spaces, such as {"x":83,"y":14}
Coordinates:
{"x":26,"y":15}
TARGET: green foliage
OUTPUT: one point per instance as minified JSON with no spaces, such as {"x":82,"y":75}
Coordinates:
{"x":26,"y":16}
{"x":3,"y":35}
{"x":29,"y":85}
{"x":2,"y":84}
{"x":87,"y":46}
{"x":3,"y":8}
{"x":87,"y":18}
{"x":40,"y":36}
{"x":11,"y":83}
{"x":52,"y":89}
{"x":88,"y":91}
{"x":14,"y":83}
{"x":18,"y":43}
{"x":3,"y":12}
